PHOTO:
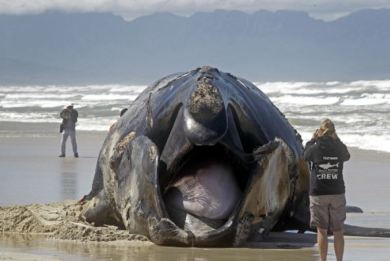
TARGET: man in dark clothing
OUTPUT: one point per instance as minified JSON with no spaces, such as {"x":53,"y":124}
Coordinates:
{"x":326,"y":154}
{"x":68,"y":128}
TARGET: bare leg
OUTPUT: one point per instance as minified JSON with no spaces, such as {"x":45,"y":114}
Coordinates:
{"x":339,"y":244}
{"x":322,"y":239}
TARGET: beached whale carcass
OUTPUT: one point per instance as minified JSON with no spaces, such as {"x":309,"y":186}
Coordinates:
{"x":201,"y":158}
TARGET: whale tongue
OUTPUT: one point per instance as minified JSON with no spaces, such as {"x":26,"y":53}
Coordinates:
{"x":208,"y":193}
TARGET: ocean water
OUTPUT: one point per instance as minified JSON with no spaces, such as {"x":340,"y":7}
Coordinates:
{"x":360,"y":109}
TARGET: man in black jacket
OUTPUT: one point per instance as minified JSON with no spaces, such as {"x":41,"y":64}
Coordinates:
{"x":68,"y":128}
{"x":326,"y":155}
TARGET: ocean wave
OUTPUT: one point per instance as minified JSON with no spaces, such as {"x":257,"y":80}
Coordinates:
{"x":108,"y":97}
{"x":368,"y":141}
{"x":367,"y":99}
{"x":38,"y":96}
{"x":332,"y":83}
{"x":359,"y":109}
{"x":314,"y":89}
{"x":281,"y":87}
{"x":305,"y":101}
{"x":34,"y":117}
{"x":381,"y":84}
{"x":31,"y":104}
{"x":360,"y":141}
{"x":127,"y":89}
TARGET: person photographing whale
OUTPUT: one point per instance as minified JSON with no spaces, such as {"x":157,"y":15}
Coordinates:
{"x":326,"y":154}
{"x":68,"y":128}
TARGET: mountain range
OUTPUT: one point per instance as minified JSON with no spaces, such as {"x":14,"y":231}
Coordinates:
{"x":89,"y":48}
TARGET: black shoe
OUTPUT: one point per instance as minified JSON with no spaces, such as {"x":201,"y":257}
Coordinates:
{"x":76,"y":155}
{"x":61,"y":155}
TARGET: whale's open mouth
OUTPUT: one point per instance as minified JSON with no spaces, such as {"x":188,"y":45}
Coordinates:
{"x":204,"y":158}
{"x":206,"y":186}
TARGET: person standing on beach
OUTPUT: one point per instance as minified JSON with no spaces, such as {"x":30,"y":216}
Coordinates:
{"x":326,"y":154}
{"x":68,"y":128}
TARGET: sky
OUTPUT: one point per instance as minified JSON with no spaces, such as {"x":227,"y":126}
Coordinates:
{"x":130,"y":9}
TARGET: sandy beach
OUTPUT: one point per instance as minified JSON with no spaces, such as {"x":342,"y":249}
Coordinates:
{"x":31,"y":173}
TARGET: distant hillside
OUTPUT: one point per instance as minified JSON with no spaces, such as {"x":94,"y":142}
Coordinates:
{"x":101,"y":48}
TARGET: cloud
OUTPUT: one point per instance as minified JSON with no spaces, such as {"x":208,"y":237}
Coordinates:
{"x":134,"y":8}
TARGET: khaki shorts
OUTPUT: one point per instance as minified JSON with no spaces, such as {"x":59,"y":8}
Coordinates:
{"x":328,"y":212}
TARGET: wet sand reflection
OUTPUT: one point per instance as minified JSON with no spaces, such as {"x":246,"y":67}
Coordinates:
{"x":43,"y":249}
{"x":68,"y":179}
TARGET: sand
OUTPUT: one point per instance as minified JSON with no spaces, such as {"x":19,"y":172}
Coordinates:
{"x":32,"y":177}
{"x":59,"y":221}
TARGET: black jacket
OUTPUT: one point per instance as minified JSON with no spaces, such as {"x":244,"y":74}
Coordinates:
{"x":326,"y":156}
{"x":69,"y":119}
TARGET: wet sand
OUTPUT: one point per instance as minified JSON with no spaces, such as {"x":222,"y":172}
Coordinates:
{"x":31,"y":172}
{"x":41,"y":249}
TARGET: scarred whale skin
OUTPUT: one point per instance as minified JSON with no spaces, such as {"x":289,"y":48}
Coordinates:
{"x":183,"y":117}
